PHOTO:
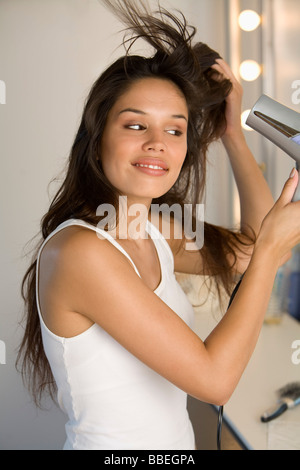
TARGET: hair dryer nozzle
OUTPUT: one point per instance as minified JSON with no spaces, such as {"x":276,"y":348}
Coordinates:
{"x":280,"y":125}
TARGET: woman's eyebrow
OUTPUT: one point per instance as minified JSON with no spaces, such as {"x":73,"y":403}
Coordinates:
{"x":132,"y":110}
{"x":138,"y":111}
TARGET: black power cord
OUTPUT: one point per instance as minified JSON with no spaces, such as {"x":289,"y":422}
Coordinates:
{"x":219,"y":431}
{"x":221,"y":408}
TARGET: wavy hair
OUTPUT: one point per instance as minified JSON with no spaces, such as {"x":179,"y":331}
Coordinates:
{"x":85,"y":186}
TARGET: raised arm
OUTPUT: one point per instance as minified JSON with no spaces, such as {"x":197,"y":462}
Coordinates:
{"x":256,"y":199}
{"x":255,"y":196}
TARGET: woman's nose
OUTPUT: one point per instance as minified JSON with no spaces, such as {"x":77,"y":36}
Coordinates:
{"x":154,"y":143}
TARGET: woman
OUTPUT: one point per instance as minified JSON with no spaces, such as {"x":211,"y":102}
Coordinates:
{"x":107,"y":324}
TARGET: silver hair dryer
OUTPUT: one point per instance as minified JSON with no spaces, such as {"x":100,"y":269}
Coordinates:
{"x":279,"y":124}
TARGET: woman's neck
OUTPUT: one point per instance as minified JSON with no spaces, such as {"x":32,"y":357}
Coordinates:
{"x":132,"y":218}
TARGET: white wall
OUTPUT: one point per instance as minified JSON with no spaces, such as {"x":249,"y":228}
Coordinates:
{"x":50,"y":53}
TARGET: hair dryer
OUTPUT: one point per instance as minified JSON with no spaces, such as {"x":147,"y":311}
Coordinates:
{"x":279,"y":124}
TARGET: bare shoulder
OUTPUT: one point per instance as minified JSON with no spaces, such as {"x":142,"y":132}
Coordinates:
{"x":64,"y":250}
{"x":66,"y":239}
{"x":74,"y":246}
{"x":77,"y":251}
{"x":73,"y":264}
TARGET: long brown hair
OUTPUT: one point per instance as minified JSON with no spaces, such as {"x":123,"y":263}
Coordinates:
{"x":85,"y":186}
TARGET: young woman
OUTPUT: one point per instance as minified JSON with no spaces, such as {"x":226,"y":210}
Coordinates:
{"x":108,"y":327}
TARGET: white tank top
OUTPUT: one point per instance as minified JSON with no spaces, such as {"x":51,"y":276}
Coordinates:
{"x":112,"y":399}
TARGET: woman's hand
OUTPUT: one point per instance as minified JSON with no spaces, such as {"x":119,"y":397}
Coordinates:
{"x":233,"y":102}
{"x":280,"y":229}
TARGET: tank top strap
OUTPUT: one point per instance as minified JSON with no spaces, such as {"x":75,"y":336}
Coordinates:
{"x":100,"y":233}
{"x":162,"y":246}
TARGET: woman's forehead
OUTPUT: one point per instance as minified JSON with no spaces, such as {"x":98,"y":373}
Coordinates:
{"x":150,"y":94}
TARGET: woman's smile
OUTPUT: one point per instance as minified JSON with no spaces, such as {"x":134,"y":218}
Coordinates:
{"x":151,"y":167}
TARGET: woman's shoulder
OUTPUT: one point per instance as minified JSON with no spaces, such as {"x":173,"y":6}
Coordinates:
{"x":75,"y":247}
{"x":66,"y":240}
{"x":74,"y":266}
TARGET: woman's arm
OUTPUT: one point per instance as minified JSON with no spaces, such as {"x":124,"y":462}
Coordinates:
{"x":94,"y":280}
{"x":246,"y":313}
{"x":255,"y":196}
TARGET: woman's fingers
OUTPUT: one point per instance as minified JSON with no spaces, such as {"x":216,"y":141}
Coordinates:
{"x":223,"y":68}
{"x":281,"y":227}
{"x":289,"y":189}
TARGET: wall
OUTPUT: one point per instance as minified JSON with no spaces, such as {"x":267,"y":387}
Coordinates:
{"x":50,"y":52}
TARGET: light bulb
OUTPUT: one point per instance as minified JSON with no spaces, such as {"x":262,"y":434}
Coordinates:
{"x":249,"y":20}
{"x":250,"y":70}
{"x":244,"y":117}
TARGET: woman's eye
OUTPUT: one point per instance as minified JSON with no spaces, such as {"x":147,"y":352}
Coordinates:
{"x":140,"y":127}
{"x":135,"y":127}
{"x":174,"y":132}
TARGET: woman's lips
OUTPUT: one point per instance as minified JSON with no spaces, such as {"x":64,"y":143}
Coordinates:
{"x":152,"y":167}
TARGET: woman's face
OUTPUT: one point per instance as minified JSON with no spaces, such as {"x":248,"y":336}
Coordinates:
{"x":144,"y":143}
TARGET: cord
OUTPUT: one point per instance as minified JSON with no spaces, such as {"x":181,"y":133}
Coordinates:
{"x":221,"y":408}
{"x":219,"y":431}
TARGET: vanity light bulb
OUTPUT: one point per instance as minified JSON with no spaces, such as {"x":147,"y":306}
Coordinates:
{"x":244,"y":117}
{"x":249,"y":20}
{"x":250,"y":70}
